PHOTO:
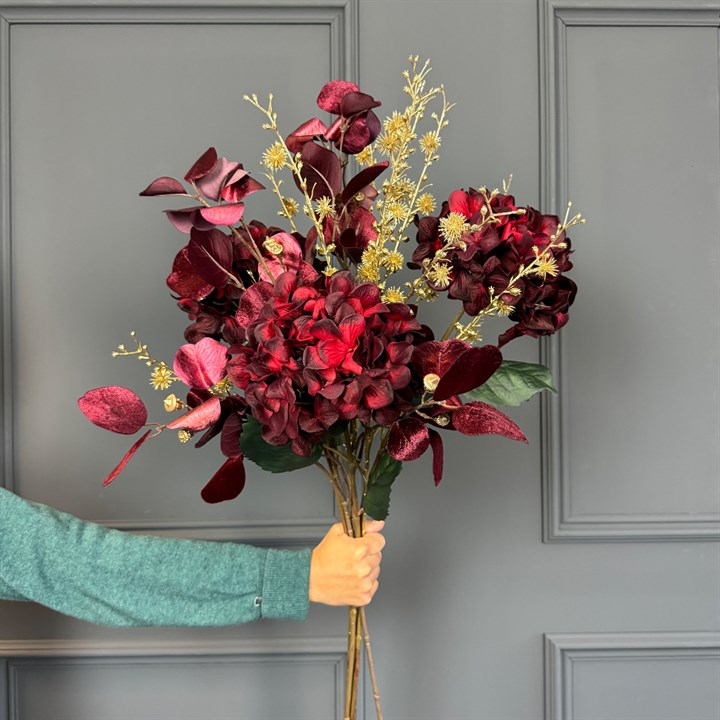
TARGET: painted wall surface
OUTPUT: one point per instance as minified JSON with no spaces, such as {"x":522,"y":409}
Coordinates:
{"x":577,"y":578}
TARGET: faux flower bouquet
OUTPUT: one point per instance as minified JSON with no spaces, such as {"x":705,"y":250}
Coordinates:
{"x":304,"y":348}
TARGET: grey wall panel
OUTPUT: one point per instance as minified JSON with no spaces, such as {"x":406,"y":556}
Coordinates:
{"x":630,"y":97}
{"x":94,"y":681}
{"x":125,"y":99}
{"x":633,"y":676}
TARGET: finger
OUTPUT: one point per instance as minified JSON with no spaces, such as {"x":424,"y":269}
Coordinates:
{"x":374,"y":543}
{"x":374,"y":526}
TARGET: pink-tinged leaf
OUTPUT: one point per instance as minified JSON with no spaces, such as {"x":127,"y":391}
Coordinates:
{"x":114,"y":408}
{"x":322,"y":170}
{"x":478,"y":418}
{"x":163,"y":186}
{"x":436,"y":444}
{"x":203,"y":165}
{"x":121,"y":465}
{"x":213,"y":182}
{"x":227,"y":483}
{"x":252,"y":302}
{"x":211,"y":255}
{"x":185,"y":281}
{"x":201,"y":365}
{"x":239,"y":185}
{"x":201,"y":418}
{"x":362,"y":180}
{"x":470,"y":370}
{"x":305,"y":133}
{"x":408,"y":439}
{"x":185,"y":219}
{"x":227,"y":214}
{"x":332,"y":94}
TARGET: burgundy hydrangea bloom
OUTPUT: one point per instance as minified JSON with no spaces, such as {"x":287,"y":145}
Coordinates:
{"x":494,"y":254}
{"x":318,"y":350}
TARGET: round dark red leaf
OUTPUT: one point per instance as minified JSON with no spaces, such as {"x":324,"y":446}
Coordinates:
{"x":408,"y":439}
{"x":227,"y":483}
{"x":114,"y":408}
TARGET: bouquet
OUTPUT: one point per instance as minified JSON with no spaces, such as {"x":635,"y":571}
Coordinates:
{"x":306,"y":344}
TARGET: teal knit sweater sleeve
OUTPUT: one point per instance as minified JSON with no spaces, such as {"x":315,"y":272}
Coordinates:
{"x":114,"y":578}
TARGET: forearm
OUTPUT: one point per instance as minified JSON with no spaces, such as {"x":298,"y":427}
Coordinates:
{"x":113,"y":578}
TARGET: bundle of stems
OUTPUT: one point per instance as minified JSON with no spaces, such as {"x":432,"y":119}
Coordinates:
{"x":348,"y":465}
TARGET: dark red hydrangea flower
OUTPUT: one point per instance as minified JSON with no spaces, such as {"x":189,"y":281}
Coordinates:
{"x":318,"y":350}
{"x":494,"y":254}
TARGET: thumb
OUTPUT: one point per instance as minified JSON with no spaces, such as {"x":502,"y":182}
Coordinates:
{"x":374,"y":526}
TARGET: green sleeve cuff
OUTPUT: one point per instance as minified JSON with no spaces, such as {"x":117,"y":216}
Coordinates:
{"x":286,"y":584}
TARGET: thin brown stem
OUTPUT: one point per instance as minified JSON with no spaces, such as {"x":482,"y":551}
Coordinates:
{"x":371,"y":664}
{"x":451,"y":327}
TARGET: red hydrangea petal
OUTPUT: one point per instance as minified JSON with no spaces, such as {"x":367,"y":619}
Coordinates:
{"x":121,"y":465}
{"x":332,"y":94}
{"x":201,"y":365}
{"x":227,"y":214}
{"x":351,"y":328}
{"x":408,"y":439}
{"x":470,"y":370}
{"x":478,"y":418}
{"x":436,"y":444}
{"x":203,"y":166}
{"x":227,"y":483}
{"x":114,"y":408}
{"x":163,"y":186}
{"x":202,"y":417}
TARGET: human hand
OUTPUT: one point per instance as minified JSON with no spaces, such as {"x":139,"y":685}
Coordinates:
{"x":344,"y":570}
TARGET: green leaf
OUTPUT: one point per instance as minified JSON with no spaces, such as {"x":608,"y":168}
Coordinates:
{"x":376,"y":502}
{"x":274,"y":458}
{"x":513,"y":383}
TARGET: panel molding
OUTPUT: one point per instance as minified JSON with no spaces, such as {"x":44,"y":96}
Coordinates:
{"x":556,"y":16}
{"x":341,"y":17}
{"x":563,"y":650}
{"x":16,"y":655}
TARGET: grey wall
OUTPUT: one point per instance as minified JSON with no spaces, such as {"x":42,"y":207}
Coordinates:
{"x":574,"y":578}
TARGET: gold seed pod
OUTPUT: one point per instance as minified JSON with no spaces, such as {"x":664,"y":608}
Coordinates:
{"x":172,"y":403}
{"x":430,"y":382}
{"x":184,"y":435}
{"x":442,"y":420}
{"x":273,"y":246}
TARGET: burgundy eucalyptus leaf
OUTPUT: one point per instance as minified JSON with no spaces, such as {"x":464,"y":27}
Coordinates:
{"x":211,"y":255}
{"x":362,"y":180}
{"x":185,"y":219}
{"x":304,"y":134}
{"x":198,"y":419}
{"x":239,"y":185}
{"x":121,"y":465}
{"x":408,"y":439}
{"x":227,"y":214}
{"x":478,"y":418}
{"x":436,"y":444}
{"x":332,"y":94}
{"x":227,"y":483}
{"x":201,"y":365}
{"x":230,"y":437}
{"x":114,"y":408}
{"x":212,"y":183}
{"x":185,"y":281}
{"x":203,"y":165}
{"x":252,"y":302}
{"x":321,"y":170}
{"x":470,"y":370}
{"x":163,"y":186}
{"x":437,"y":356}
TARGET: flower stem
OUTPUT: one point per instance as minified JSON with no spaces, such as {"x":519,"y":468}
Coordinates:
{"x":451,"y":327}
{"x":371,"y":664}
